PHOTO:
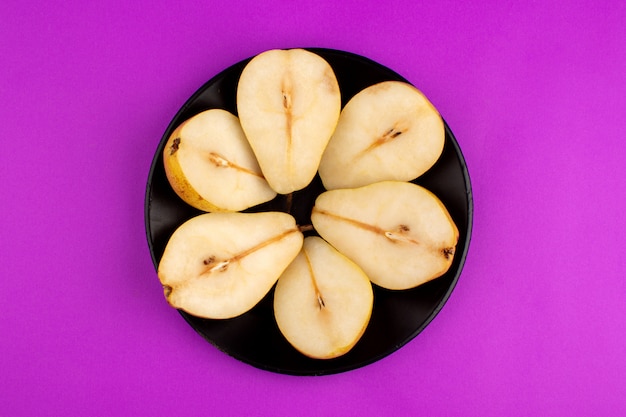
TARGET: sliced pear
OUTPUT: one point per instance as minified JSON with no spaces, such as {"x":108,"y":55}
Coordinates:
{"x":323,"y":301}
{"x":210,"y":165}
{"x":288,"y":102}
{"x":388,"y":131}
{"x":399,"y":233}
{"x":220,"y":265}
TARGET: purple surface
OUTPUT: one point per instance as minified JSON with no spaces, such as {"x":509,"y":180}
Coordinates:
{"x":535,"y":96}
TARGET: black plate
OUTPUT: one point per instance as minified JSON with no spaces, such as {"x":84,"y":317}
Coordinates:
{"x":398,"y":316}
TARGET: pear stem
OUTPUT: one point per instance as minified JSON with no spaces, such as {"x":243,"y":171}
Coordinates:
{"x":288,"y":202}
{"x":318,"y":294}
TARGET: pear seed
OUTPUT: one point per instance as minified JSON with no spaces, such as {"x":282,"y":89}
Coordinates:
{"x":220,"y":267}
{"x":320,"y":301}
{"x":218,"y":160}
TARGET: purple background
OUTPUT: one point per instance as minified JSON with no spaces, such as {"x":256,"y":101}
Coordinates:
{"x":535,"y":95}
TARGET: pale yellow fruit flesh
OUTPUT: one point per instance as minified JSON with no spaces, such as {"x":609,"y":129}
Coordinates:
{"x":210,"y":165}
{"x":288,"y":102}
{"x":220,"y":265}
{"x":323,"y":301}
{"x":399,"y":233}
{"x":388,"y":131}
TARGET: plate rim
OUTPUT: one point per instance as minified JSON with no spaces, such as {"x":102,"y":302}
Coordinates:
{"x":174,"y":122}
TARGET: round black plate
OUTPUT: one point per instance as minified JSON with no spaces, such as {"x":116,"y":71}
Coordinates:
{"x":398,"y":316}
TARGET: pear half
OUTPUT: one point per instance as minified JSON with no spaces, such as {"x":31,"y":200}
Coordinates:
{"x":220,"y":265}
{"x":288,"y":102}
{"x":323,"y":301}
{"x":210,"y":165}
{"x":399,"y":233}
{"x":388,"y":131}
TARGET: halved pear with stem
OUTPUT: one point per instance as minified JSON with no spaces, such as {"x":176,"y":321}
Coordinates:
{"x":388,"y":131}
{"x":399,"y":233}
{"x":323,"y":301}
{"x":288,"y":102}
{"x":210,"y":165}
{"x":220,"y":265}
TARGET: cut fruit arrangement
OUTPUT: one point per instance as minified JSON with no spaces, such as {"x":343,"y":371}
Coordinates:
{"x":369,"y":226}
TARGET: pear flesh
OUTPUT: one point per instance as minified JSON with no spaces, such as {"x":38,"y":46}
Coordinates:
{"x":288,"y":102}
{"x":220,"y":265}
{"x":388,"y":131}
{"x":323,"y":301}
{"x":210,"y":164}
{"x":399,"y":233}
